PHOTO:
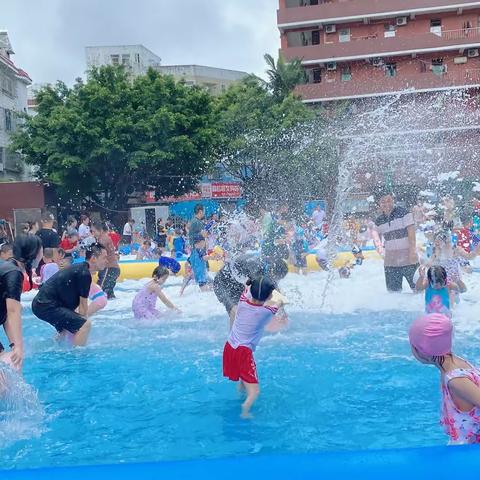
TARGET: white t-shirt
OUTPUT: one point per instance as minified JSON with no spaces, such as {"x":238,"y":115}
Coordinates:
{"x":250,"y":321}
{"x":127,"y":229}
{"x":317,"y":217}
{"x":47,"y":271}
{"x":83,"y":231}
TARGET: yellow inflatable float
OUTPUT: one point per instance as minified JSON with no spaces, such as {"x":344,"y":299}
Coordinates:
{"x":137,"y":269}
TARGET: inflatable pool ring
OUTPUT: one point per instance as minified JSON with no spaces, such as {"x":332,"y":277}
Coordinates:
{"x":97,"y":296}
{"x":138,"y":269}
{"x":170,"y":263}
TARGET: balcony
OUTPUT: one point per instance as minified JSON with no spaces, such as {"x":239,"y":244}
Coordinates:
{"x":366,"y":47}
{"x":428,"y":81}
{"x":359,"y":10}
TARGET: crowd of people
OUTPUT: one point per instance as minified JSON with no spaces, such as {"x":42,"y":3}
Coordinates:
{"x":431,"y":248}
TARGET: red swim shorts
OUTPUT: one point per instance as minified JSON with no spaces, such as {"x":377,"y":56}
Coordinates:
{"x":238,"y":363}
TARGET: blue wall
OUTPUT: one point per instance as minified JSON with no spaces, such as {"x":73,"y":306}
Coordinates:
{"x":185,"y":209}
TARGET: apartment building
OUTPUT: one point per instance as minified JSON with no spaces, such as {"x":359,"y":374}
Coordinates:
{"x":367,"y":48}
{"x":13,"y":100}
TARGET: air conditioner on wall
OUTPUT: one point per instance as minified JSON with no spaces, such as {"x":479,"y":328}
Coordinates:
{"x":330,"y":28}
{"x":331,"y":66}
{"x":401,"y":21}
{"x":377,"y":62}
{"x":472,"y":52}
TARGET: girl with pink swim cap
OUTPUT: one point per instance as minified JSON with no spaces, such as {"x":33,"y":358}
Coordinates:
{"x":431,"y":341}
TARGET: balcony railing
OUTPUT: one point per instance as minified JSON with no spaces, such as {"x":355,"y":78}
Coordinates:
{"x":369,"y":87}
{"x":344,"y":11}
{"x":371,"y":46}
{"x":464,"y":33}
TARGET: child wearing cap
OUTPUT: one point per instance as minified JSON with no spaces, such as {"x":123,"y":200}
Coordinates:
{"x":431,"y":341}
{"x":255,"y":310}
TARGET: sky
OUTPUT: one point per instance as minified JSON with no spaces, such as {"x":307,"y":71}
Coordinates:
{"x":49,"y":36}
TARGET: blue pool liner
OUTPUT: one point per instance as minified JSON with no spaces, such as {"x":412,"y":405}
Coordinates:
{"x":438,"y":463}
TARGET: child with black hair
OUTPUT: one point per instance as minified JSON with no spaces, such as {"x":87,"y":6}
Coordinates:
{"x":49,"y":267}
{"x":439,"y":292}
{"x":255,"y":310}
{"x":6,"y":251}
{"x":144,"y":303}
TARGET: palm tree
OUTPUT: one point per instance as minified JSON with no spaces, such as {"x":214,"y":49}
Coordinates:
{"x":284,"y":77}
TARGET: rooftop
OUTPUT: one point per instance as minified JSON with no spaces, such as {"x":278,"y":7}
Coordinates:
{"x":204,"y":70}
{"x":357,"y":10}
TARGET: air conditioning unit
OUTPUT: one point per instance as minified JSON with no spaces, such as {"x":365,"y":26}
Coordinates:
{"x":472,"y":52}
{"x":331,"y":66}
{"x":330,"y":28}
{"x":401,"y":21}
{"x":377,"y":62}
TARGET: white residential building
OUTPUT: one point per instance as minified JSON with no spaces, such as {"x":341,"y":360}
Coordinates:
{"x":216,"y":80}
{"x":13,"y":100}
{"x":135,"y":58}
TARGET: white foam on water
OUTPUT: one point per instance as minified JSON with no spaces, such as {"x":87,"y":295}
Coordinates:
{"x":363,"y":292}
{"x":22,"y":416}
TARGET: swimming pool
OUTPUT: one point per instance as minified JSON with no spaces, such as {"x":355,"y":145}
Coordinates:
{"x":331,"y":382}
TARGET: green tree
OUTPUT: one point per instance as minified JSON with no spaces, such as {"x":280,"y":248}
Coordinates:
{"x":110,"y":136}
{"x":276,"y":146}
{"x":284,"y":77}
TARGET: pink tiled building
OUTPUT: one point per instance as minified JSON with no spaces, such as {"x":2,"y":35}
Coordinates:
{"x":369,"y":48}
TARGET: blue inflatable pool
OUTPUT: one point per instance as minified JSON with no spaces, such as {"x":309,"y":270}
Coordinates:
{"x":438,"y":463}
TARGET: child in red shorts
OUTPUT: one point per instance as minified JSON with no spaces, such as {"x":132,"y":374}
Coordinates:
{"x":255,"y":310}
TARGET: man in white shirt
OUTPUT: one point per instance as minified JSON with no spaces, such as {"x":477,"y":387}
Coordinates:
{"x":318,"y":216}
{"x":128,"y":232}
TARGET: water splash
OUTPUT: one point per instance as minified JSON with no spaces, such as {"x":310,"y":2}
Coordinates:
{"x":22,"y":415}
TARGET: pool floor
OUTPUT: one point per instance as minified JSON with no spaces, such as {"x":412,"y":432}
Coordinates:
{"x":337,"y":382}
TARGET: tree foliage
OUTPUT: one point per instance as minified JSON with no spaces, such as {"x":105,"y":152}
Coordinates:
{"x":275,"y":145}
{"x":111,"y":136}
{"x":284,"y":77}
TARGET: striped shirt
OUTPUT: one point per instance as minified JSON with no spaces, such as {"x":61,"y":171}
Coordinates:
{"x":393,"y":228}
{"x":250,"y":321}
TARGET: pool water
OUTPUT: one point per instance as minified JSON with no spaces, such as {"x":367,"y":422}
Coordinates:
{"x":330,"y":382}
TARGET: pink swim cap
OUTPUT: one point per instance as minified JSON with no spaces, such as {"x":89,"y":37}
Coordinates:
{"x":431,"y":334}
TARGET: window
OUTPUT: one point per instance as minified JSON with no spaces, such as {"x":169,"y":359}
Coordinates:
{"x":390,"y":69}
{"x":316,"y":37}
{"x":137,"y":58}
{"x":390,"y":31}
{"x":346,"y":74}
{"x":344,"y":35}
{"x":437,"y":67}
{"x":8,"y":121}
{"x":126,"y":59}
{"x":317,"y":75}
{"x":7,"y":85}
{"x":115,"y":59}
{"x":436,"y":26}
